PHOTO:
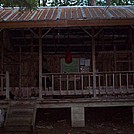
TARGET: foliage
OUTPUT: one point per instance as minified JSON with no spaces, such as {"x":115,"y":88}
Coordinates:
{"x":32,"y":4}
{"x":27,"y":4}
{"x":85,"y":2}
{"x":116,"y":2}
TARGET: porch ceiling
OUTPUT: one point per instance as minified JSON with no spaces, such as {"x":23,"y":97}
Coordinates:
{"x":67,"y":17}
{"x":74,"y":38}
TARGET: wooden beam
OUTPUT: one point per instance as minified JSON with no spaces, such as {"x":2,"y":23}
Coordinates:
{"x":67,"y":23}
{"x":40,"y":63}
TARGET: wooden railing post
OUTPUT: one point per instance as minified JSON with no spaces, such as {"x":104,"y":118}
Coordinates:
{"x":7,"y":85}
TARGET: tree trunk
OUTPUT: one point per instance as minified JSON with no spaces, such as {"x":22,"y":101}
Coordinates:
{"x":92,"y":2}
{"x":120,"y":1}
{"x":44,"y":2}
{"x":108,"y":2}
{"x":39,"y":3}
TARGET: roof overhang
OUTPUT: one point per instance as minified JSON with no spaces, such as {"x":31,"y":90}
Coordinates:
{"x":67,"y":17}
{"x":66,"y":23}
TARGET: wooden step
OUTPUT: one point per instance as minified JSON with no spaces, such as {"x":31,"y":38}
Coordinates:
{"x":19,"y":121}
{"x":18,"y":128}
{"x":20,"y":116}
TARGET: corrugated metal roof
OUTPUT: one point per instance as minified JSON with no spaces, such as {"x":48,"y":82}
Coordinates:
{"x":64,"y":14}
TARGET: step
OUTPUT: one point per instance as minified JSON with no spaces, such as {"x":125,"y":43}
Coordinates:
{"x":22,"y":106}
{"x":18,"y":123}
{"x":19,"y":111}
{"x":20,"y":116}
{"x":18,"y":128}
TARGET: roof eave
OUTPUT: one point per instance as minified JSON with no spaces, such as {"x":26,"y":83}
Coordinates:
{"x":66,"y":23}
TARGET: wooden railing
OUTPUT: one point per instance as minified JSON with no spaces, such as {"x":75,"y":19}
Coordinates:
{"x":107,"y":83}
{"x":4,"y":84}
{"x":116,"y":83}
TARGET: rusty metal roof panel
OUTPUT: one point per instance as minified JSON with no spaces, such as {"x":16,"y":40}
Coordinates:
{"x":61,"y":14}
{"x":22,"y":17}
{"x":4,"y":15}
{"x":79,"y":13}
{"x":54,"y":14}
{"x":29,"y":15}
{"x":74,"y":13}
{"x":130,"y":9}
{"x":36,"y":16}
{"x":67,"y":13}
{"x":42,"y":15}
{"x":49,"y":13}
{"x":127,"y":15}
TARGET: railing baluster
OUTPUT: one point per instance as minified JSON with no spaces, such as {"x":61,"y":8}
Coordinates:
{"x":60,"y":84}
{"x":89,"y":81}
{"x":106,"y":84}
{"x":133,"y":80}
{"x":127,"y":82}
{"x":52,"y":84}
{"x":75,"y":84}
{"x":99,"y":83}
{"x":45,"y":84}
{"x":82,"y":83}
{"x":120,"y":82}
{"x":113,"y":84}
{"x":67,"y":85}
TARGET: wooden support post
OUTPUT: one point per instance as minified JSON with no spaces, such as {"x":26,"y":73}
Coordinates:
{"x":115,"y":58}
{"x":40,"y":63}
{"x":77,"y":116}
{"x":93,"y":64}
{"x":132,"y":44}
{"x":2,"y":59}
{"x":115,"y":66}
{"x":7,"y":85}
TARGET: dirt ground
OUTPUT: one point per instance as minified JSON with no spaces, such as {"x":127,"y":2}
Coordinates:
{"x":98,"y":121}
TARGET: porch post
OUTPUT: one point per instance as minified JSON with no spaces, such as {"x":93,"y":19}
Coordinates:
{"x":2,"y":59}
{"x":93,"y":63}
{"x":40,"y":63}
{"x":132,"y":42}
{"x":77,"y":116}
{"x":115,"y":55}
{"x":7,"y":86}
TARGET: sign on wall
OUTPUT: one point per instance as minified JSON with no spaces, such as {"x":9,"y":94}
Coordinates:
{"x":71,"y":67}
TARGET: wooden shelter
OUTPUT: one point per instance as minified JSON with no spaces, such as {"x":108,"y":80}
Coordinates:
{"x":99,"y":42}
